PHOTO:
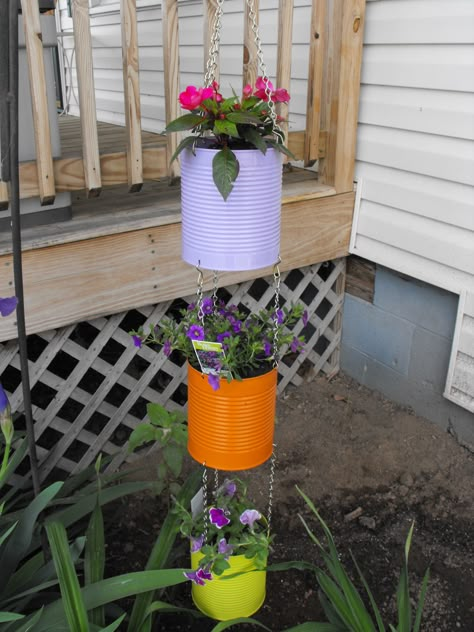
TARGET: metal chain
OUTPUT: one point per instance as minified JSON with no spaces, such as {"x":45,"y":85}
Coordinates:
{"x":204,"y":500}
{"x":211,"y":65}
{"x":258,"y":42}
{"x":276,"y":309}
{"x":270,"y":487}
{"x":200,"y":283}
{"x":216,"y":481}
{"x":215,"y":281}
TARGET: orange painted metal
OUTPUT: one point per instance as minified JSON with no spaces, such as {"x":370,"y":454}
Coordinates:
{"x":231,"y":428}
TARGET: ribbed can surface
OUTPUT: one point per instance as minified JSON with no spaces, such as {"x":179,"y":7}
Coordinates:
{"x":241,"y":233}
{"x":225,"y":599}
{"x":231,"y":428}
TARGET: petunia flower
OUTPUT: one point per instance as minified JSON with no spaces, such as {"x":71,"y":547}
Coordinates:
{"x":167,"y":348}
{"x":191,"y":306}
{"x":249,"y":517}
{"x":195,"y":332}
{"x":207,"y":306}
{"x":221,"y":337}
{"x":296,"y":345}
{"x":214,"y":381}
{"x":8,"y":305}
{"x":267,"y":348}
{"x":6,"y":421}
{"x":198,"y":577}
{"x":137,"y":341}
{"x":229,"y":487}
{"x":280,"y":316}
{"x":225,"y":549}
{"x":196,"y":543}
{"x":304,"y":318}
{"x":217,"y":517}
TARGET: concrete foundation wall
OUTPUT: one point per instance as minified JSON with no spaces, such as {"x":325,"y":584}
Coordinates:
{"x":400,"y":345}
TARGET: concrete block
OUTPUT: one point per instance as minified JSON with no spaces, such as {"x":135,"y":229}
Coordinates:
{"x":408,"y":392}
{"x":425,"y":305}
{"x":378,"y":334}
{"x":429,"y":359}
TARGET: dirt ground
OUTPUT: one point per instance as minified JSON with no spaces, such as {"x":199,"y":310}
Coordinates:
{"x":350,"y":450}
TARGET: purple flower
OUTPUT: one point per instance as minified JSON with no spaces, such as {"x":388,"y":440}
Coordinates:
{"x":249,"y":516}
{"x":236,"y":325}
{"x":4,"y":403}
{"x":6,"y":422}
{"x":137,"y":341}
{"x":8,"y":305}
{"x":167,"y":348}
{"x":196,"y":543}
{"x":229,"y":487}
{"x":267,"y":348}
{"x":280,"y":316}
{"x":207,"y":306}
{"x":198,"y":577}
{"x":304,"y":318}
{"x":221,"y":337}
{"x":225,"y":549}
{"x":218,"y":517}
{"x":214,"y":381}
{"x":191,"y":306}
{"x":195,"y":332}
{"x":296,"y":345}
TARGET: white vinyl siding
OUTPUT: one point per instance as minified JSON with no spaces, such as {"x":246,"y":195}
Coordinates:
{"x":415,"y":149}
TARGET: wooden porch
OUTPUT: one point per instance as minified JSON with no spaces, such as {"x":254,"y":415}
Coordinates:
{"x":122,"y":247}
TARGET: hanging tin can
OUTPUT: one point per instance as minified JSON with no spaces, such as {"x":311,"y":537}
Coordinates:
{"x":231,"y":428}
{"x":241,"y":233}
{"x":239,"y":596}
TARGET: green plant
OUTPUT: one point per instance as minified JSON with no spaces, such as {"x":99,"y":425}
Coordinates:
{"x":248,"y":122}
{"x":170,"y":432}
{"x":245,"y":344}
{"x":340,"y":599}
{"x":228,"y":526}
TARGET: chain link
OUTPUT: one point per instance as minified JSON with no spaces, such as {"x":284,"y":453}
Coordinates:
{"x":204,"y":500}
{"x":276,"y":309}
{"x":270,"y":487}
{"x":216,"y":481}
{"x":263,"y":68}
{"x":215,"y":282}
{"x":211,"y":65}
{"x":200,"y":283}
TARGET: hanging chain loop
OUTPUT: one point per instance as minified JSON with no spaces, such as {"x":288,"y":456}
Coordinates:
{"x":270,"y":487}
{"x":276,"y":310}
{"x":204,"y":500}
{"x":213,"y":53}
{"x":215,"y":284}
{"x":263,"y":68}
{"x":200,"y":283}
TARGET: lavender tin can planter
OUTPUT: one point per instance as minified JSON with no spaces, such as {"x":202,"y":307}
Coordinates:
{"x":242,"y":232}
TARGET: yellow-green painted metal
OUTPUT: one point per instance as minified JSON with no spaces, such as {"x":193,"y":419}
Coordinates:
{"x":239,"y":596}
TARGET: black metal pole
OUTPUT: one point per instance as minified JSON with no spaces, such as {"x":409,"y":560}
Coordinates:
{"x":4,"y":109}
{"x":16,"y":238}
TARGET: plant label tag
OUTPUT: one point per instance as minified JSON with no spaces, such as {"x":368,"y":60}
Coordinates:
{"x":197,"y":503}
{"x":211,"y":357}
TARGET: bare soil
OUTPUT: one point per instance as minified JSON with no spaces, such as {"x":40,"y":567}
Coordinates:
{"x":354,"y":453}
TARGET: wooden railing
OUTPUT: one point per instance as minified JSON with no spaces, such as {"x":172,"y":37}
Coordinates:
{"x":331,"y":116}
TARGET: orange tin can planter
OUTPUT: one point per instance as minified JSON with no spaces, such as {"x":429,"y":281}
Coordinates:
{"x":231,"y":428}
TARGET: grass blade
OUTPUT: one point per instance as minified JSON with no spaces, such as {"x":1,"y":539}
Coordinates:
{"x":74,"y":608}
{"x":421,"y":602}
{"x":94,"y":558}
{"x":29,"y":625}
{"x":375,"y":609}
{"x":115,"y":625}
{"x":6,"y":617}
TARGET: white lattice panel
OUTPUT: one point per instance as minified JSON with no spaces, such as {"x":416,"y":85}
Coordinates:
{"x":90,"y":384}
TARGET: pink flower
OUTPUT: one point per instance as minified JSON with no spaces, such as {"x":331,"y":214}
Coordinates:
{"x":247,"y":91}
{"x":280,"y":95}
{"x":192,"y":98}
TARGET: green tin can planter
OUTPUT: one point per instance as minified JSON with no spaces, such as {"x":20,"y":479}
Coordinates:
{"x":239,"y":596}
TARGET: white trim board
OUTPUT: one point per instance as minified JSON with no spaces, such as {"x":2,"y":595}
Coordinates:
{"x":460,"y":380}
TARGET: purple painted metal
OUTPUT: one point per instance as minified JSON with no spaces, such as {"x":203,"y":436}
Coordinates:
{"x":241,"y":233}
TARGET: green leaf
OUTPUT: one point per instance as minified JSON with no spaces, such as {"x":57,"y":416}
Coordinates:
{"x":14,"y":462}
{"x":312,"y":626}
{"x":113,"y":589}
{"x":243,"y":118}
{"x":186,"y":142}
{"x":225,"y":169}
{"x":228,"y":104}
{"x":143,"y":433}
{"x":281,"y":148}
{"x":29,"y":624}
{"x":173,"y":455}
{"x":72,"y":601}
{"x":5,"y":617}
{"x":183,"y":123}
{"x":19,"y":542}
{"x":115,"y":625}
{"x":161,"y":551}
{"x":224,"y":126}
{"x":421,"y":602}
{"x":5,"y":535}
{"x":252,"y":136}
{"x":94,"y":558}
{"x":223,"y":625}
{"x":158,"y":415}
{"x":375,"y":609}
